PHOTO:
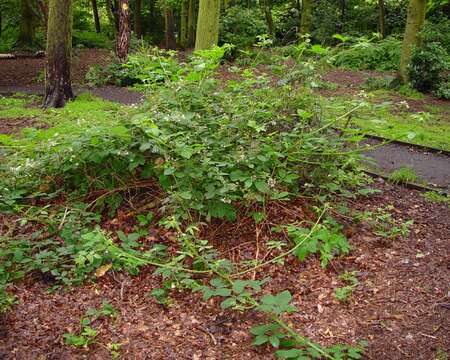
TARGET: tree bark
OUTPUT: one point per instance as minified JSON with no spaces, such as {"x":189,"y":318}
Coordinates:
{"x":124,"y":35}
{"x":169,"y":32}
{"x":27,"y":25}
{"x":58,"y":89}
{"x":191,"y":24}
{"x":306,"y":17}
{"x":137,"y":19}
{"x":340,"y":23}
{"x":96,"y":17}
{"x":207,"y":33}
{"x":382,"y":18}
{"x":414,"y":22}
{"x":184,"y":24}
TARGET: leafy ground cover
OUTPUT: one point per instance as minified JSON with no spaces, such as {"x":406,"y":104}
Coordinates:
{"x":219,"y":217}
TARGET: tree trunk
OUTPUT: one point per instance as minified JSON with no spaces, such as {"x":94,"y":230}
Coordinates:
{"x":169,"y":32}
{"x":58,"y":89}
{"x":341,"y":21}
{"x":207,"y":33}
{"x":110,"y":11}
{"x":96,"y":18}
{"x":26,"y":26}
{"x":306,"y":19}
{"x":44,"y":10}
{"x":1,"y":23}
{"x":137,"y":19}
{"x":184,"y":24}
{"x":414,"y":22}
{"x":268,"y":16}
{"x":124,"y":35}
{"x":191,"y":24}
{"x":382,"y":18}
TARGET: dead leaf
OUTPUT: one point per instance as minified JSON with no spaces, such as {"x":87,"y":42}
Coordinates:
{"x":102,"y":270}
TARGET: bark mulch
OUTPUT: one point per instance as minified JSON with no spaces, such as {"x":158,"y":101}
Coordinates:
{"x":28,"y":71}
{"x":401,"y":305}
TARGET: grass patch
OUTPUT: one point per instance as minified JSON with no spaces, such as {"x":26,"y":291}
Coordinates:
{"x":403,"y":175}
{"x":434,"y":196}
{"x":390,"y":120}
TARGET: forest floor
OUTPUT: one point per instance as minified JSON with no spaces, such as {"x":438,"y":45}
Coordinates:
{"x":400,"y":305}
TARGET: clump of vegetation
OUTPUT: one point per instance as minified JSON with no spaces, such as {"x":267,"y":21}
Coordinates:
{"x":343,"y":293}
{"x":403,"y":175}
{"x":368,"y":54}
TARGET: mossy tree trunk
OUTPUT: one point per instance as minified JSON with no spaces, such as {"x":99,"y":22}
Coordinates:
{"x":306,"y":19}
{"x":138,"y":19}
{"x":184,"y":23}
{"x":414,"y":22}
{"x":207,"y":33}
{"x":27,"y":25}
{"x":268,"y":16}
{"x":58,"y":89}
{"x":96,"y":17}
{"x":124,"y":34}
{"x":169,"y":32}
{"x":191,"y":21}
{"x":382,"y":18}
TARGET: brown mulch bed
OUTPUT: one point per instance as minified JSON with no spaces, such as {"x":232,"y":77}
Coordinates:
{"x":400,"y":305}
{"x":15,"y":125}
{"x":26,"y":71}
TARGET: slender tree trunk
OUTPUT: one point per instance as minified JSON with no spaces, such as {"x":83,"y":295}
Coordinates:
{"x":26,"y":26}
{"x":152,"y":15}
{"x":124,"y":34}
{"x":1,"y":23}
{"x":414,"y":22}
{"x":306,"y":19}
{"x":137,"y":19}
{"x":268,"y":16}
{"x":184,"y":24}
{"x":341,"y":22}
{"x":169,"y":32}
{"x":382,"y":18}
{"x":207,"y":33}
{"x":110,"y":12}
{"x":96,"y":18}
{"x":191,"y":24}
{"x":58,"y":89}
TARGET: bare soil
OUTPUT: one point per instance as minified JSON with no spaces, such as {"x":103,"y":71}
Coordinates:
{"x":401,"y":305}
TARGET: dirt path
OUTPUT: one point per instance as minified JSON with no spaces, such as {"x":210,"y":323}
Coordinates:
{"x":110,"y":93}
{"x":401,"y":305}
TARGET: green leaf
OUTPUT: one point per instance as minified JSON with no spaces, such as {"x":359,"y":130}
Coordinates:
{"x":262,"y":186}
{"x":227,"y":303}
{"x":260,"y":339}
{"x":186,"y":195}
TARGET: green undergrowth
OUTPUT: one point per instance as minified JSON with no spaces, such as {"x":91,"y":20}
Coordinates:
{"x":393,"y":119}
{"x":203,"y":149}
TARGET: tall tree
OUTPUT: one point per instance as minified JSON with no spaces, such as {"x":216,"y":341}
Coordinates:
{"x":268,"y":16}
{"x":414,"y":22}
{"x":306,"y":19}
{"x":184,"y":23}
{"x":124,"y":34}
{"x":191,"y":23}
{"x":207,"y":33}
{"x":382,"y":18}
{"x":58,"y":89}
{"x":138,"y":18}
{"x":96,"y":17}
{"x":169,"y":31}
{"x":27,"y":25}
{"x":111,"y":14}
